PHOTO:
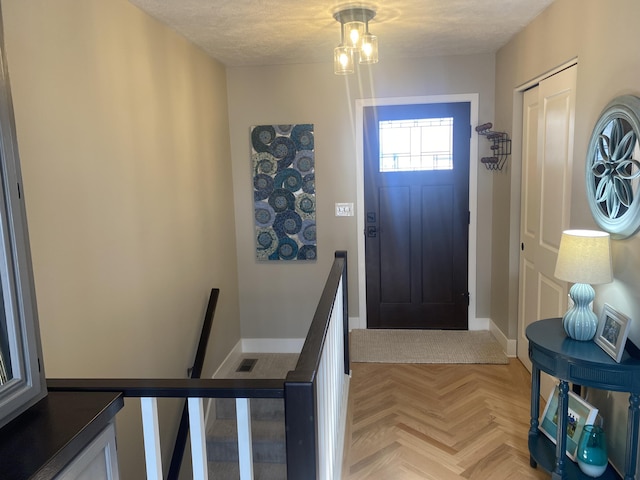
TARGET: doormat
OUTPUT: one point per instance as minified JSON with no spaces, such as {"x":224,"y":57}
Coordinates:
{"x":425,"y":346}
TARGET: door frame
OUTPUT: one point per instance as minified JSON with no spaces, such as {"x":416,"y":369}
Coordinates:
{"x":472,"y":99}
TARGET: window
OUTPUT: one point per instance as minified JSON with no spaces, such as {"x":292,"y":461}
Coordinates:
{"x":22,"y":380}
{"x":420,"y":144}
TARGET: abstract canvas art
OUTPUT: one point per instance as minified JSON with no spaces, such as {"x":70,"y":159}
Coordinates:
{"x":284,"y":193}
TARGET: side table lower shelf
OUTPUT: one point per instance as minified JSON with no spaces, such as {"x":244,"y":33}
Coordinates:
{"x":543,"y":451}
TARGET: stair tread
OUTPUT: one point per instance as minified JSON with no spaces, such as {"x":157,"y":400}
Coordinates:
{"x":261,"y":408}
{"x":261,"y":471}
{"x":268,"y":441}
{"x":261,"y":430}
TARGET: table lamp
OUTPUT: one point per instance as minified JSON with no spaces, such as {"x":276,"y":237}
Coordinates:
{"x":584,"y":258}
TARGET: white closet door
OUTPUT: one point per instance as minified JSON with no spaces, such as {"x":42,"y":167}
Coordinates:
{"x":547,"y":157}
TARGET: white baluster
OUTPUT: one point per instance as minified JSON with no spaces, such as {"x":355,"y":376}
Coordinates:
{"x":245,"y":448}
{"x":151,"y":435}
{"x":198,"y":440}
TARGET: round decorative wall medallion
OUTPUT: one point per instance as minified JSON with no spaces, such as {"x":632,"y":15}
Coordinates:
{"x":613,"y":168}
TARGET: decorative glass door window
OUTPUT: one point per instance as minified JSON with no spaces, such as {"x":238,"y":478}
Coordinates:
{"x":413,"y":145}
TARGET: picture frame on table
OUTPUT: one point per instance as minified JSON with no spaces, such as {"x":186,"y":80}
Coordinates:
{"x":612,"y":332}
{"x":579,"y":413}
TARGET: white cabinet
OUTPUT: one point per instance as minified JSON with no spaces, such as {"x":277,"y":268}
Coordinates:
{"x":99,"y":461}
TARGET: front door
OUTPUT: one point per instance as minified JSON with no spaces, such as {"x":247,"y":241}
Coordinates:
{"x":416,"y":190}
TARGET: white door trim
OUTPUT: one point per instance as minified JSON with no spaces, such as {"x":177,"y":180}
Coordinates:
{"x":472,"y":98}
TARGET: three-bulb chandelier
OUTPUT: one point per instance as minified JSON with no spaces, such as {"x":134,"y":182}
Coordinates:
{"x":354,"y":39}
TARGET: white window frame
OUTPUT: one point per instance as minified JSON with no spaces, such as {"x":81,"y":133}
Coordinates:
{"x":27,"y":384}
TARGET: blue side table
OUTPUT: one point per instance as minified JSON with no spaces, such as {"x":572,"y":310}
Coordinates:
{"x":580,"y":363}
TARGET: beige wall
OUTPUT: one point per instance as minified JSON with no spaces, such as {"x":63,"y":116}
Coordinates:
{"x":124,"y":143}
{"x":604,"y":38}
{"x":276,"y":299}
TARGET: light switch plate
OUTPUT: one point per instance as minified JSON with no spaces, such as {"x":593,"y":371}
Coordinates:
{"x":344,"y":209}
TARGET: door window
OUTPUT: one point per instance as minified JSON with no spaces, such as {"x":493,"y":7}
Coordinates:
{"x":416,"y":144}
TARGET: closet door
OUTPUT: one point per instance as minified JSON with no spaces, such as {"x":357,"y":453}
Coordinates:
{"x":547,"y":157}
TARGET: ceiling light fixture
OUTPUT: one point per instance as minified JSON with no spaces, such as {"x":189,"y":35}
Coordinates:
{"x":354,"y":39}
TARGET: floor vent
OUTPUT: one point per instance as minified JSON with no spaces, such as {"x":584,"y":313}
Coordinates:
{"x":247,"y":365}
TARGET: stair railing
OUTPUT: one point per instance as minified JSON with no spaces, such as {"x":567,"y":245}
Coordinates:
{"x":315,"y":395}
{"x":319,"y":384}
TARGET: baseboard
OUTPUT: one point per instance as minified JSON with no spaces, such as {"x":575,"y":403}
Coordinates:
{"x":508,"y":345}
{"x":474,"y":324}
{"x":235,"y":352}
{"x":479,"y":324}
{"x":210,"y":408}
{"x":272,"y":345}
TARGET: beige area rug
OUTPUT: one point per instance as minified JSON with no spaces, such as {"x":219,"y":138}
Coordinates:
{"x":425,"y":346}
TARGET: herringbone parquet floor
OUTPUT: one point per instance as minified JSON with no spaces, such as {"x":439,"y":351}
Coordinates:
{"x":438,"y":422}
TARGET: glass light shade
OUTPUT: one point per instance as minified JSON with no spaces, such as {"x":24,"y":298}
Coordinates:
{"x":342,"y":60}
{"x":353,"y":32}
{"x":369,"y":49}
{"x":584,"y":258}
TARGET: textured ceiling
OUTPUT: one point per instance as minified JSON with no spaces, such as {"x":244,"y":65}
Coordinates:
{"x":267,"y":32}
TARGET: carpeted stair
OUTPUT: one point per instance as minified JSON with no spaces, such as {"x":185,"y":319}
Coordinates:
{"x":267,"y":429}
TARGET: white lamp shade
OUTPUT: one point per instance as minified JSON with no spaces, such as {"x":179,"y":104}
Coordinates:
{"x":584,"y":257}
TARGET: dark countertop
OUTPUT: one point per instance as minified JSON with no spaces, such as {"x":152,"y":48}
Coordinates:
{"x":38,"y":444}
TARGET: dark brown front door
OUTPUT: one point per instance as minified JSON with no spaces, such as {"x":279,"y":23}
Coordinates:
{"x":417,"y":215}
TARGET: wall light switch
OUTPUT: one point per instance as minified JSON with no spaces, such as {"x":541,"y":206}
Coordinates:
{"x":344,"y":209}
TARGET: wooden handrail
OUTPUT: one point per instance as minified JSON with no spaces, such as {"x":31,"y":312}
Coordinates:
{"x":174,"y":387}
{"x":309,"y":358}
